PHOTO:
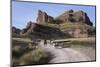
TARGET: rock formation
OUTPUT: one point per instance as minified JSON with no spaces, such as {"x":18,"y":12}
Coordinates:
{"x":81,"y":26}
{"x":29,"y":28}
{"x":43,"y":17}
{"x":68,"y":16}
{"x":75,"y":17}
{"x":40,"y":31}
{"x":15,"y":30}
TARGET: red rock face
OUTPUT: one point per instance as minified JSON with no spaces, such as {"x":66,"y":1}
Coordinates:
{"x":29,"y":28}
{"x":40,"y":17}
{"x":67,"y":17}
{"x":75,"y":17}
{"x":43,"y":17}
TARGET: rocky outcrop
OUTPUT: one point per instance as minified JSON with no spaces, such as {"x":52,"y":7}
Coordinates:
{"x":40,"y":31}
{"x":67,"y":17}
{"x":43,"y":17}
{"x":15,"y":30}
{"x":45,"y":27}
{"x":75,"y":17}
{"x":29,"y":28}
{"x":77,"y":32}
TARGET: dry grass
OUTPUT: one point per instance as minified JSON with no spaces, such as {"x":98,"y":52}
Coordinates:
{"x":37,"y":56}
{"x":78,"y":42}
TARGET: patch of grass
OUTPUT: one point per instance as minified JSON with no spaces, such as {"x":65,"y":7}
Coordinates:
{"x":38,"y":56}
{"x":26,"y":36}
{"x":81,"y":42}
{"x":51,"y":25}
{"x":18,"y":51}
{"x":66,"y":26}
{"x":15,"y":42}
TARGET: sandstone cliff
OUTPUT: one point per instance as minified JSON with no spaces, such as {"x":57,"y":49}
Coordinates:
{"x":68,"y":24}
{"x":67,"y":17}
{"x":43,"y":17}
{"x":75,"y":17}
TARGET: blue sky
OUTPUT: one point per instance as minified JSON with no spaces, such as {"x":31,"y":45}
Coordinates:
{"x":23,"y":12}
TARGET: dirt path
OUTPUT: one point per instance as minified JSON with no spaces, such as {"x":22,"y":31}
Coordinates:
{"x":65,"y":55}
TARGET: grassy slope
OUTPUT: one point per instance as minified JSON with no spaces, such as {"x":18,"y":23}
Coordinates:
{"x":66,"y":25}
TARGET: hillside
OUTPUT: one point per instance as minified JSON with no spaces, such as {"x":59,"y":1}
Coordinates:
{"x":69,"y":24}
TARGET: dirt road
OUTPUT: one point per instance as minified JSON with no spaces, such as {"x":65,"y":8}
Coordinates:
{"x":61,"y":55}
{"x":65,"y":55}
